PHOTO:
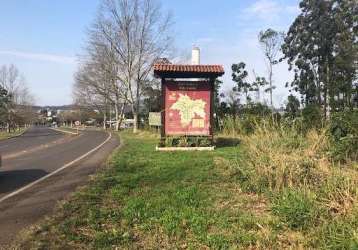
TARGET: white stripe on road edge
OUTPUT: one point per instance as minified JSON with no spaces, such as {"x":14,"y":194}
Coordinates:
{"x":64,"y":131}
{"x":54,"y":172}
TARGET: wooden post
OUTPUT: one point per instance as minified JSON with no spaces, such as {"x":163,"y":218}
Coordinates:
{"x":212,"y":83}
{"x":162,"y":131}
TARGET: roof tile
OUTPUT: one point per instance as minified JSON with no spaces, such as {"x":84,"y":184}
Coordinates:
{"x":188,"y":68}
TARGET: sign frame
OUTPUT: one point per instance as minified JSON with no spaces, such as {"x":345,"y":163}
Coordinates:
{"x":197,"y":90}
{"x":164,"y":112}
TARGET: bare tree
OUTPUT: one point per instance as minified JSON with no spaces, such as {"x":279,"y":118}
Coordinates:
{"x":96,"y":85}
{"x":270,"y":41}
{"x":18,"y":109}
{"x":85,"y":95}
{"x":138,"y":32}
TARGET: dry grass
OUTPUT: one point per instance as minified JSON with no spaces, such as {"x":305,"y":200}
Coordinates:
{"x":277,"y":189}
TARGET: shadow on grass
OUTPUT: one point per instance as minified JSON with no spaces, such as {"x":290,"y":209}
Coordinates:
{"x":222,"y":142}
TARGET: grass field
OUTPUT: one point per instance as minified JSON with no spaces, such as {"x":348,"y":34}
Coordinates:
{"x":6,"y":135}
{"x":189,"y":200}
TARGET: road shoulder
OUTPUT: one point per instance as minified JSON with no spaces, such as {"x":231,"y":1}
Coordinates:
{"x":6,"y":136}
{"x":29,"y":207}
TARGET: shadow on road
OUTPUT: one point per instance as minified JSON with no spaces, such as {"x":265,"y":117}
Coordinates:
{"x":42,"y":133}
{"x":12,"y":180}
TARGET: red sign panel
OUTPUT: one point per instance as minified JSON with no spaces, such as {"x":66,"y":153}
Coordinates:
{"x":187,"y":108}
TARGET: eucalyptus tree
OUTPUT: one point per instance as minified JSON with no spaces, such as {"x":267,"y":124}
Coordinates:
{"x":270,"y":41}
{"x":239,"y":76}
{"x":321,"y":47}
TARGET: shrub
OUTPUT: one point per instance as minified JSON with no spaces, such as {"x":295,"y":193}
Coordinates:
{"x":311,"y":117}
{"x":187,"y":141}
{"x":255,"y":109}
{"x":344,"y":135}
{"x":295,"y":208}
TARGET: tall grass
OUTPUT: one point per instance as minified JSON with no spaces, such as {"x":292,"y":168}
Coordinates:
{"x":279,"y":157}
{"x":307,"y":188}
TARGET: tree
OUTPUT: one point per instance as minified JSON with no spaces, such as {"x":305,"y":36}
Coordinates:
{"x":293,"y":106}
{"x":270,"y":41}
{"x":4,"y":100}
{"x":239,"y":75}
{"x":94,"y":89}
{"x":217,"y":105}
{"x":344,"y":72}
{"x":17,"y":108}
{"x":138,"y":33}
{"x":321,"y":48}
{"x":152,"y":97}
{"x":232,"y":102}
{"x":257,"y":84}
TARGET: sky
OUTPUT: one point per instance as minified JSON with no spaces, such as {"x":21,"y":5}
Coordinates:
{"x":43,"y":38}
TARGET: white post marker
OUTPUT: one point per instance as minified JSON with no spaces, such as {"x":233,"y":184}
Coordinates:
{"x":77,"y":123}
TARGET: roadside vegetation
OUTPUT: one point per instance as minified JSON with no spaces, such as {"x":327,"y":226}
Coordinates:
{"x":279,"y":178}
{"x":6,"y":135}
{"x":273,"y":187}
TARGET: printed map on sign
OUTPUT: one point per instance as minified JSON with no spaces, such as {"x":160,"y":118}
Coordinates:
{"x":187,"y":108}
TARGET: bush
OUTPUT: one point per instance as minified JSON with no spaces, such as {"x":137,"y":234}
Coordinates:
{"x":311,"y":117}
{"x":295,"y":208}
{"x":255,"y":109}
{"x":187,"y":141}
{"x":344,"y":135}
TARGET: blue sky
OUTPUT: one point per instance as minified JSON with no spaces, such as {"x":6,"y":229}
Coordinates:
{"x":43,"y":37}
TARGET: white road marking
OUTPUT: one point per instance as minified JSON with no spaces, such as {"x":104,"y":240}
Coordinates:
{"x":56,"y":171}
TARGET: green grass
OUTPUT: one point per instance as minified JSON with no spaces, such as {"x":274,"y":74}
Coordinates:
{"x":5,"y":135}
{"x":147,"y":199}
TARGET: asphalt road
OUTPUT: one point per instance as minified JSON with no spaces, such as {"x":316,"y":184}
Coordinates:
{"x":35,"y":154}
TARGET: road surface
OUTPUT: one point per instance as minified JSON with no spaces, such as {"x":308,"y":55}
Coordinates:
{"x":37,"y":153}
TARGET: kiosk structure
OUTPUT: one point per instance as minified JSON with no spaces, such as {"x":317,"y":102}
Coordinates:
{"x":187,"y":99}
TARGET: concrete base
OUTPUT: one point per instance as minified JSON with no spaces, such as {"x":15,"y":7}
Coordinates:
{"x":185,"y":148}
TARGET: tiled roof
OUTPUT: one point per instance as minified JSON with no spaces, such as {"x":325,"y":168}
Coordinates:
{"x":216,"y":69}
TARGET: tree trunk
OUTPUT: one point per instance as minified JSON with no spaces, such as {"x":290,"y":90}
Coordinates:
{"x":117,"y":115}
{"x":329,"y":95}
{"x":121,"y":114}
{"x":135,"y":123}
{"x":270,"y":79}
{"x":104,"y":119}
{"x":110,"y":117}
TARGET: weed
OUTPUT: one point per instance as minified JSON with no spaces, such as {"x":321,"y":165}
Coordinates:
{"x":296,"y":208}
{"x":340,"y":233}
